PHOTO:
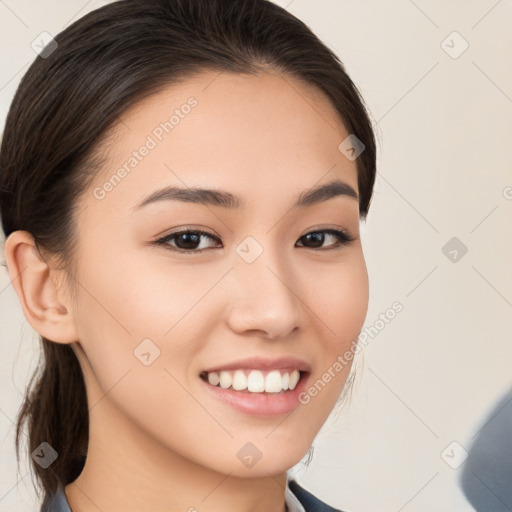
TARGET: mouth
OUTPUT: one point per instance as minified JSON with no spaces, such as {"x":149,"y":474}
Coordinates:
{"x":259,"y":387}
{"x":255,"y":381}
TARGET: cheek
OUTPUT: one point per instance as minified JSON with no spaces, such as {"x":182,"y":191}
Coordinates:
{"x":141,"y":326}
{"x":341,"y":304}
{"x":350,"y":313}
{"x":339,"y":301}
{"x":129,"y":301}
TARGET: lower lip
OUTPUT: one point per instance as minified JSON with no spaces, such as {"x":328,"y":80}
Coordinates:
{"x":261,"y":404}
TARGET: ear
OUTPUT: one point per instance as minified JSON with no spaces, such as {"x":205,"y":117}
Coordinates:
{"x":33,"y":279}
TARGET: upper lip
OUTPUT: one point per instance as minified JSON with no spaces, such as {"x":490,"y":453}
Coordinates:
{"x":261,"y":363}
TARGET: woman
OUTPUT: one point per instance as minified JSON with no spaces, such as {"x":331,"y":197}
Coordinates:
{"x":181,"y":189}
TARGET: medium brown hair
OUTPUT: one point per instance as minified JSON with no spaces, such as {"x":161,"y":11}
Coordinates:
{"x":58,"y":120}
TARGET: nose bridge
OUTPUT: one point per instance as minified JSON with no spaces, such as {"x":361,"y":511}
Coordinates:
{"x":263,"y":296}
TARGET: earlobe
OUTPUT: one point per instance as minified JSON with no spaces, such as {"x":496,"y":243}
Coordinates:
{"x":41,"y":301}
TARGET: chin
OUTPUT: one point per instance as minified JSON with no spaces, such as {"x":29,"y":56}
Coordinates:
{"x":274,"y":459}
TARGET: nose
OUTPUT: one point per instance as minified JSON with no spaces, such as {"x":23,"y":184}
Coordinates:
{"x":265,"y":298}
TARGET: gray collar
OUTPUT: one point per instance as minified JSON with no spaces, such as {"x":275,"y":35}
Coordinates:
{"x":59,"y":503}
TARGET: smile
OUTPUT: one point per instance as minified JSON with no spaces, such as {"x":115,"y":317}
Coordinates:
{"x":254,"y":381}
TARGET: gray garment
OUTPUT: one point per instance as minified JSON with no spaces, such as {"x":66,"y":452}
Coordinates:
{"x":306,"y":503}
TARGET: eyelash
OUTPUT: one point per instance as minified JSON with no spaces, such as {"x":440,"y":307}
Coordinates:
{"x":344,"y":238}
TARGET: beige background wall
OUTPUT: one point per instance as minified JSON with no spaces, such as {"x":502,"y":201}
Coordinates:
{"x":435,"y":382}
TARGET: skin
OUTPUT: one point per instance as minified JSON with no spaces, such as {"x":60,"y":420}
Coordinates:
{"x":158,"y":441}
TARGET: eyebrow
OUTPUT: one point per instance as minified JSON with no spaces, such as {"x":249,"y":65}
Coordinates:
{"x":226,"y":199}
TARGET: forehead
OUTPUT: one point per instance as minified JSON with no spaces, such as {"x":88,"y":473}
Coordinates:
{"x":255,"y":135}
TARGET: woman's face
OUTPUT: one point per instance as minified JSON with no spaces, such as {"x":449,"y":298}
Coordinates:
{"x":158,"y":322}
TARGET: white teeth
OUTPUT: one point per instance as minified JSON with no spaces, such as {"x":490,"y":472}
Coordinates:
{"x":225,"y":380}
{"x":213,"y":378}
{"x":294,"y":378}
{"x":273,"y":382}
{"x":239,"y":381}
{"x":286,"y":381}
{"x":255,"y":381}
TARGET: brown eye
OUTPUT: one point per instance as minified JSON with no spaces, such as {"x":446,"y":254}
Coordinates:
{"x":187,"y":241}
{"x":316,"y":239}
